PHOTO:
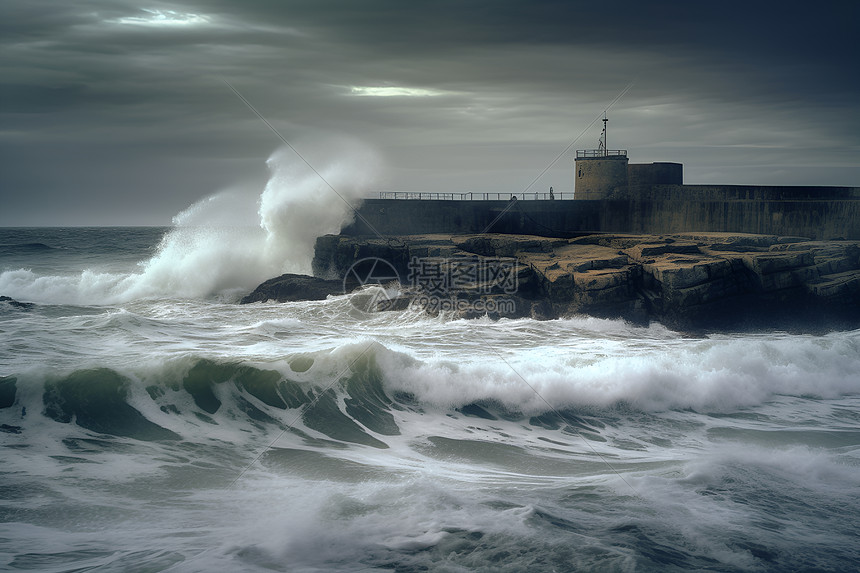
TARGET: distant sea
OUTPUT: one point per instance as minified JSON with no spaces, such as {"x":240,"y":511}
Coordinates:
{"x":150,"y":423}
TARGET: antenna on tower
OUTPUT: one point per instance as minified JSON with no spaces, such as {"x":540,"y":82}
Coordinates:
{"x":601,"y":146}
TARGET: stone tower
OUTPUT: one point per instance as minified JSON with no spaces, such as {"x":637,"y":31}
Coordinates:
{"x":600,"y":172}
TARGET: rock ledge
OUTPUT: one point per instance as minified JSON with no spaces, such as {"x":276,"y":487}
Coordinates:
{"x":695,"y":281}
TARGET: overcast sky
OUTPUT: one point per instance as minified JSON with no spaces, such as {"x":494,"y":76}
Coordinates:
{"x":117,"y":113}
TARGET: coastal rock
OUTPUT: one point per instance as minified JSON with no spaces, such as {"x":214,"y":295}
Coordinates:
{"x":687,"y":281}
{"x":16,"y":304}
{"x":292,"y":287}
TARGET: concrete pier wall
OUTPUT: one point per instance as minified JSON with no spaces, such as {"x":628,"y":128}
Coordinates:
{"x":644,"y":175}
{"x":814,"y":212}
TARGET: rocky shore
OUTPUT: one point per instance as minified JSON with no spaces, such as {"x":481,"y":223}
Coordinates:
{"x":12,"y":303}
{"x":695,"y":281}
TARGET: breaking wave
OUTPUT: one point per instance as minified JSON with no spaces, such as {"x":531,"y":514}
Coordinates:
{"x":352,"y":392}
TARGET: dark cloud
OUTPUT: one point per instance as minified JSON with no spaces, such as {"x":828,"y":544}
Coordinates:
{"x":114,"y":112}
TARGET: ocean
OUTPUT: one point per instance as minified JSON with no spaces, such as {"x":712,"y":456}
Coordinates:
{"x":150,"y":423}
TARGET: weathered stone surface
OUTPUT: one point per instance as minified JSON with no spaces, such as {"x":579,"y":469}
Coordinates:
{"x":771,"y":262}
{"x":505,"y":245}
{"x":834,"y":287}
{"x":673,"y":272}
{"x":644,"y":251}
{"x":690,"y":281}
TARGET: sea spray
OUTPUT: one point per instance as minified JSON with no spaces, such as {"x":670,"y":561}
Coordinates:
{"x":227,"y":243}
{"x":297,"y":205}
{"x":204,"y":254}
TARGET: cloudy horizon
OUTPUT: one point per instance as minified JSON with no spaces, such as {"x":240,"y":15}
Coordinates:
{"x":119,"y":113}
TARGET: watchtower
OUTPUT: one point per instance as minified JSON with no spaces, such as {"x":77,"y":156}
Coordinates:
{"x":600,"y":172}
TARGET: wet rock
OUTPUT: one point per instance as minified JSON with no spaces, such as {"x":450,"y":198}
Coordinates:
{"x":16,"y":304}
{"x":291,"y":287}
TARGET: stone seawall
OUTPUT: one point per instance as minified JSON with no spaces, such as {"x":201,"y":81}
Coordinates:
{"x":835,"y":215}
{"x":701,"y":281}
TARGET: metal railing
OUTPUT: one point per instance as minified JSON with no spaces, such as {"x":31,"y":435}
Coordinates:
{"x":595,"y":153}
{"x":425,"y":195}
{"x":474,"y":196}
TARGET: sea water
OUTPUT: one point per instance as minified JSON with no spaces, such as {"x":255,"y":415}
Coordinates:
{"x":148,"y":422}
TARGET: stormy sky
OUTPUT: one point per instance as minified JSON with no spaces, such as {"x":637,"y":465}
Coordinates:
{"x":117,"y":113}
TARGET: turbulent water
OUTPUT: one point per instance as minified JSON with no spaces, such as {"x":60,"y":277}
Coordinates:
{"x":150,"y":423}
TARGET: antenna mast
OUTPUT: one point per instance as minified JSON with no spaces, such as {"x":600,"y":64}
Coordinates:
{"x":603,"y":143}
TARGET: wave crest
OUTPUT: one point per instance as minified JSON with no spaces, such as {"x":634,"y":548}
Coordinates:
{"x":351,"y":393}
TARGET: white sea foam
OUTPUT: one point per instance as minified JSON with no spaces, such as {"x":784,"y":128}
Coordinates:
{"x":706,"y":375}
{"x":709,"y":489}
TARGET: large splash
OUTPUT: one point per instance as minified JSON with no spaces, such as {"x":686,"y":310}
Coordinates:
{"x":231,"y":241}
{"x":205,"y":254}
